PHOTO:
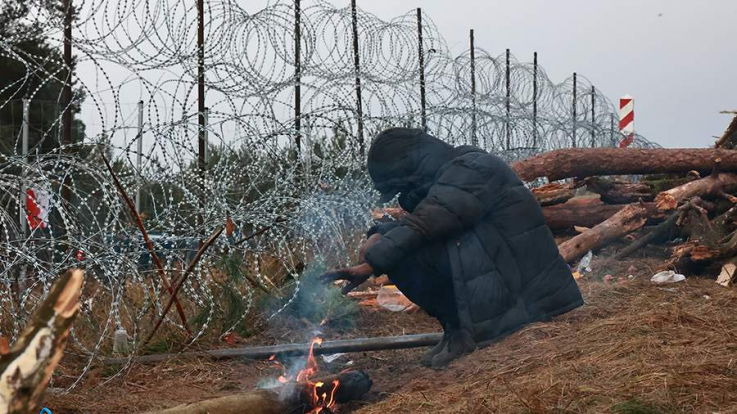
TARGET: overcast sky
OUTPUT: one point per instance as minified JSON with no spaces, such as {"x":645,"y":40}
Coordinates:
{"x":676,"y":57}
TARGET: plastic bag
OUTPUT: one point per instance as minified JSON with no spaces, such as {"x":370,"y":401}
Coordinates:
{"x":584,"y":266}
{"x":391,"y":298}
{"x":667,"y":276}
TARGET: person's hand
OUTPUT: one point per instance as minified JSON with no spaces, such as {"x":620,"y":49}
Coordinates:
{"x":355,"y":276}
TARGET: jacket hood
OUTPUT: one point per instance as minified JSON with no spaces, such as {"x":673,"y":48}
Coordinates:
{"x":407,"y":161}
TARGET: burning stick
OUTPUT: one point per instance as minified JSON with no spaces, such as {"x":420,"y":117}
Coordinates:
{"x":287,"y":399}
{"x":297,"y":395}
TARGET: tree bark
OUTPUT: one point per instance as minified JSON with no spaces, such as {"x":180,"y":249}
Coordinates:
{"x":25,"y":371}
{"x":587,"y":162}
{"x":565,"y":216}
{"x":290,"y":398}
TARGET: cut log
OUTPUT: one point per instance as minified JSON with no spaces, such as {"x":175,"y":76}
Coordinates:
{"x":26,"y":370}
{"x":619,"y":192}
{"x":715,"y":185}
{"x":625,"y":221}
{"x":291,"y":398}
{"x":553,"y":193}
{"x":568,"y":215}
{"x":588,"y":162}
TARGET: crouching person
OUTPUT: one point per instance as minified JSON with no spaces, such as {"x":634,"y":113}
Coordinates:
{"x":473,"y":252}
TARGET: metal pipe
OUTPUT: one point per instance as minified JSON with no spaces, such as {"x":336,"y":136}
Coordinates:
{"x":326,"y":348}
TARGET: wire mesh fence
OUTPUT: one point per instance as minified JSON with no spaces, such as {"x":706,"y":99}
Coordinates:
{"x":293,"y":98}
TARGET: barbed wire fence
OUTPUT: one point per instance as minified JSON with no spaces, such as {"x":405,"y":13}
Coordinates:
{"x":293,"y":97}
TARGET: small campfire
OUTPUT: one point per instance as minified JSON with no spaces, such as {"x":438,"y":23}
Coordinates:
{"x":319,"y":396}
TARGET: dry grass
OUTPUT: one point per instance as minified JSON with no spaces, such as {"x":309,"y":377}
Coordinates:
{"x":633,"y":348}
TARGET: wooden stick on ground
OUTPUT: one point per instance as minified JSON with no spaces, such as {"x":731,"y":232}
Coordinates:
{"x":588,"y":162}
{"x":149,"y":244}
{"x":181,"y":280}
{"x":26,"y":370}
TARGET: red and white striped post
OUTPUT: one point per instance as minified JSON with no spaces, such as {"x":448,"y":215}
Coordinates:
{"x":626,"y":121}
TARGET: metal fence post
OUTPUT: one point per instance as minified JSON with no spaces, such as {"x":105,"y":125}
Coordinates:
{"x":534,"y":101}
{"x":67,"y":93}
{"x":297,"y":75}
{"x":23,"y":221}
{"x":474,"y":140}
{"x":593,"y":116}
{"x":357,"y":70}
{"x":421,"y":51}
{"x":139,"y":155}
{"x":575,"y":101}
{"x":611,"y":130}
{"x":509,"y":94}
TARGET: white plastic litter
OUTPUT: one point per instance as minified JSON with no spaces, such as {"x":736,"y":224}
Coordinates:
{"x":332,"y":357}
{"x":667,"y":276}
{"x":584,"y":266}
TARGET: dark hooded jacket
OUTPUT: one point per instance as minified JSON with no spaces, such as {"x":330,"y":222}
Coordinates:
{"x":505,"y":265}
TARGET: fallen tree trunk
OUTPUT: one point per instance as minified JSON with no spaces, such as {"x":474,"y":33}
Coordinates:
{"x":566,"y":216}
{"x":587,"y":162}
{"x":617,"y":192}
{"x":634,"y":216}
{"x":291,"y":398}
{"x":715,"y":184}
{"x":26,"y":369}
{"x":623,"y":222}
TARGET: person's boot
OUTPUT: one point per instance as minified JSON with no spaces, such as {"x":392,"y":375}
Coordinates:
{"x":455,"y":346}
{"x":426,"y":359}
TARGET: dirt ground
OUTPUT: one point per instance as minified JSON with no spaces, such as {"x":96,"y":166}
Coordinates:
{"x":633,"y":348}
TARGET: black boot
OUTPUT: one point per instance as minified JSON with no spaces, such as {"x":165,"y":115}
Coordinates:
{"x":426,"y":359}
{"x":455,"y":345}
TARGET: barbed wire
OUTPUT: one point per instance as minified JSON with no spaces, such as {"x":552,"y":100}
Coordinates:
{"x":321,"y":196}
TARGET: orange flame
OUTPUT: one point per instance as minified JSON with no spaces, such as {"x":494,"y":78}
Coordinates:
{"x":323,"y":396}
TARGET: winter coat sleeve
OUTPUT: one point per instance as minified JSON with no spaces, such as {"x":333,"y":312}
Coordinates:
{"x":452,"y":204}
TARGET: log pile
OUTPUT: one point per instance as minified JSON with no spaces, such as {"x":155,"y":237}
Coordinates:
{"x":694,"y":201}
